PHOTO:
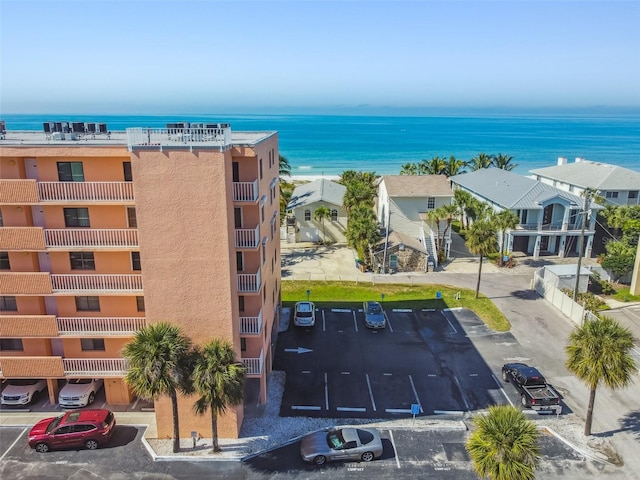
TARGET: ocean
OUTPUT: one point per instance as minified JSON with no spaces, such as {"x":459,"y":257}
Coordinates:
{"x":328,"y":145}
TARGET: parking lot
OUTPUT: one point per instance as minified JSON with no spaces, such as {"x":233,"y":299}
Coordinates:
{"x":425,"y":362}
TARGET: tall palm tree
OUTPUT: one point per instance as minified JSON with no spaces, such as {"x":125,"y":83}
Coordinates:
{"x":454,"y":166}
{"x":357,"y":192}
{"x":159,"y":363}
{"x":482,"y":160}
{"x":285,"y":167}
{"x":362,"y":230}
{"x":436,"y":166}
{"x":504,"y":445}
{"x":504,"y":162}
{"x":504,"y":220}
{"x":219,"y":380}
{"x":320,"y":215}
{"x":598,"y":351}
{"x":481,"y":240}
{"x":444,"y":212}
{"x":462,"y":199}
{"x":409,"y":169}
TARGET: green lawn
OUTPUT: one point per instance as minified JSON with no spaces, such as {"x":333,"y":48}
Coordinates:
{"x":416,"y":297}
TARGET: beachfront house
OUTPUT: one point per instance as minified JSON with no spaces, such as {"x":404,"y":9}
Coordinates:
{"x":409,"y":237}
{"x":617,"y":185}
{"x":305,"y":201}
{"x":550,"y":218}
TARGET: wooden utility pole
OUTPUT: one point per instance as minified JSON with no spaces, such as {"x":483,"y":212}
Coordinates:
{"x":581,"y":249}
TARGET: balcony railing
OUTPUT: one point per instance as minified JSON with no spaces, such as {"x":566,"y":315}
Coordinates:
{"x":95,"y":367}
{"x":159,"y":138}
{"x":251,"y":325}
{"x":247,"y":237}
{"x":85,"y":191}
{"x":91,"y":237}
{"x":96,"y":283}
{"x":249,"y":282}
{"x":253,"y":366}
{"x":245,"y":191}
{"x":101,"y":326}
{"x":559,"y":226}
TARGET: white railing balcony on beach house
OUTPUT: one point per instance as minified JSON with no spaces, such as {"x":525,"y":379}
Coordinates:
{"x":249,"y":282}
{"x":202,"y":136}
{"x":251,"y":325}
{"x":253,"y":366}
{"x":86,"y":192}
{"x":91,"y":237}
{"x":95,"y":367}
{"x":247,"y":237}
{"x":245,"y":191}
{"x":100,"y":326}
{"x":107,"y":283}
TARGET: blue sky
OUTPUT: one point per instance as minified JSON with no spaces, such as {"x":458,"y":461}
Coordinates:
{"x":165,"y":57}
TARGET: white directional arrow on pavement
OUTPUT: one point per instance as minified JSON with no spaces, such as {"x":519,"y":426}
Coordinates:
{"x":298,"y":350}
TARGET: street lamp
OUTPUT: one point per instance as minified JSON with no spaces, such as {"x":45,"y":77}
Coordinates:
{"x":382,"y":296}
{"x":308,"y":293}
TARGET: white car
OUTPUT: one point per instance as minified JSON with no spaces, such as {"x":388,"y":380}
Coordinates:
{"x":79,"y":392}
{"x":22,"y":391}
{"x":305,"y":314}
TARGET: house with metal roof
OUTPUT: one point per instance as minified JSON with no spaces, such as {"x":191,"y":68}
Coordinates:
{"x":617,"y":185}
{"x":306,"y":199}
{"x":409,"y":237}
{"x":550,"y":218}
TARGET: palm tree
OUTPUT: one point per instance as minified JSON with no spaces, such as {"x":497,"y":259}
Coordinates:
{"x":409,"y":169}
{"x":445,"y":212}
{"x":454,"y":166}
{"x":285,"y":167}
{"x":481,"y":240}
{"x":504,"y":445}
{"x":504,"y":220}
{"x":482,"y":160}
{"x":219,"y":380}
{"x":462,"y":199}
{"x":358,"y":192}
{"x":159,"y":361}
{"x":362,"y":230}
{"x":598,"y":351}
{"x":435,"y":166}
{"x":504,"y":162}
{"x":321,"y":213}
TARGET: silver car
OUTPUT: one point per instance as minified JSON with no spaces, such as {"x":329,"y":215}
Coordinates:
{"x":341,"y":444}
{"x":305,"y":314}
{"x":373,"y":315}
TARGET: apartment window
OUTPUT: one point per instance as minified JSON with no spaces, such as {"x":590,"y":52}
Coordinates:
{"x":4,"y":261}
{"x":239,"y":262}
{"x":76,"y":217}
{"x":140,"y":303}
{"x":307,"y":215}
{"x":262,"y":214}
{"x":82,"y":261}
{"x":241,"y":303}
{"x":260,"y":169}
{"x":264,"y":250}
{"x":431,"y":203}
{"x":13,"y":344}
{"x":132,"y":220}
{"x":8,"y":304}
{"x":92,"y":344}
{"x":334,"y":215}
{"x":135,"y":261}
{"x":88,"y":304}
{"x":611,"y":195}
{"x":632,"y":194}
{"x":70,"y":172}
{"x":1,"y":221}
{"x":126,"y":167}
{"x":243,"y":344}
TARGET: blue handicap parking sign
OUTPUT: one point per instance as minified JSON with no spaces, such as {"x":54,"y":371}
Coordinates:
{"x":438,"y":295}
{"x":415,"y":408}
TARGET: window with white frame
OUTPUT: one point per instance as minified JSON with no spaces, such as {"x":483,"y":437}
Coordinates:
{"x":431,"y":203}
{"x":334,"y":214}
{"x":307,"y":215}
{"x":611,"y":195}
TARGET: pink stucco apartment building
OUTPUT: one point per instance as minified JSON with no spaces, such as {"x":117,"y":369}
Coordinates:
{"x":104,"y":232}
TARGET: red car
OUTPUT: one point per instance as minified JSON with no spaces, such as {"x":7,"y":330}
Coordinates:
{"x":88,"y":428}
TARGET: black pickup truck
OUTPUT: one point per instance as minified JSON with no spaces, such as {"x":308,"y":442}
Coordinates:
{"x":534,"y":391}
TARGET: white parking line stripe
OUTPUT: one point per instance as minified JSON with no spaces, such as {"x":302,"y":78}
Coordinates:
{"x":502,"y":390}
{"x":345,"y":373}
{"x":464,"y":397}
{"x":448,"y":412}
{"x":387,"y":374}
{"x":351,"y":409}
{"x":428,"y":309}
{"x":355,"y":321}
{"x":306,"y":371}
{"x":326,"y":391}
{"x":402,"y":310}
{"x":398,"y":410}
{"x":393,"y":443}
{"x":473,"y":374}
{"x":324,"y":322}
{"x":16,"y":441}
{"x":373,"y":403}
{"x":431,"y":375}
{"x":341,"y":310}
{"x":304,"y":407}
{"x":389,"y":323}
{"x":135,"y":404}
{"x":416,"y":394}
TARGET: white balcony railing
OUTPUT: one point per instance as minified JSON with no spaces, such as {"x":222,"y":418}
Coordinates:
{"x":249,"y":282}
{"x":86,"y":191}
{"x":101,"y":326}
{"x":91,"y":237}
{"x":206,"y":135}
{"x":251,"y":325}
{"x":253,"y":366}
{"x":96,"y":283}
{"x":245,"y":191}
{"x":247,"y":237}
{"x":95,"y":367}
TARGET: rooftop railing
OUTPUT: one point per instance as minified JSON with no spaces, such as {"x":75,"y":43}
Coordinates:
{"x":159,"y":138}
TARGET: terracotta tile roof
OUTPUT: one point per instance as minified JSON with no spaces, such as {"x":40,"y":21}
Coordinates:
{"x":20,"y":192}
{"x":31,"y":367}
{"x":21,"y":326}
{"x":28,"y":283}
{"x":22,"y":239}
